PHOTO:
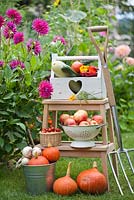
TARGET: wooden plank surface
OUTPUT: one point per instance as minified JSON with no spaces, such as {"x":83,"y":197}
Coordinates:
{"x":99,"y":147}
{"x":75,"y":102}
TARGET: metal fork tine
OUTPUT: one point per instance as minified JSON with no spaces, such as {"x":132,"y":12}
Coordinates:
{"x":123,"y":170}
{"x":114,"y":173}
{"x":129,"y":160}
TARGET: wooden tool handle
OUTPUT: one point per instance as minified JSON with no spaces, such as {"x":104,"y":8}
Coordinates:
{"x":103,"y":58}
{"x":98,"y":28}
{"x":109,"y":86}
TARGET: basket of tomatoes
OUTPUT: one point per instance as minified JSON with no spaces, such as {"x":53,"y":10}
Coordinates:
{"x":50,"y":135}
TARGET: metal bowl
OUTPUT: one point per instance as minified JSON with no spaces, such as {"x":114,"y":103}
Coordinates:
{"x":82,"y":134}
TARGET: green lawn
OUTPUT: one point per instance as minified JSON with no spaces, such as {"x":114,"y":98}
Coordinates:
{"x":12,"y":183}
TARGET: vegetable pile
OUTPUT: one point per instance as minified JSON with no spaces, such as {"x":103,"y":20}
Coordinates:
{"x":77,"y":69}
{"x":90,"y":181}
{"x":36,"y":156}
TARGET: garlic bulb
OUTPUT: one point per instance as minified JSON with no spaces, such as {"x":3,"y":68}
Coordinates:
{"x":27,"y":152}
{"x":22,"y":161}
{"x":36,"y":151}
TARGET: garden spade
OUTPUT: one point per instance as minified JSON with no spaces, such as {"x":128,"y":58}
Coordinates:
{"x":110,"y":94}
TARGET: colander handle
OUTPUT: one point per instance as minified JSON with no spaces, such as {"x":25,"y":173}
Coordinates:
{"x":60,"y":125}
{"x":100,"y":126}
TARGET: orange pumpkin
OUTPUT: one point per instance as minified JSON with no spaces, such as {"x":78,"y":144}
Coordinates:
{"x":38,"y":160}
{"x":51,"y":153}
{"x":92,"y":181}
{"x":65,"y":185}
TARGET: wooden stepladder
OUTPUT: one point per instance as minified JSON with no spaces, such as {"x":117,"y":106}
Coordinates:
{"x":59,"y":102}
{"x":103,"y":147}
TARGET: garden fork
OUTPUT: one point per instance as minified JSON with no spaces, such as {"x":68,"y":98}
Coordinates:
{"x":110,"y":94}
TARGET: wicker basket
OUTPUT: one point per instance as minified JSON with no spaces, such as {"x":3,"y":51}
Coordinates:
{"x":54,"y":138}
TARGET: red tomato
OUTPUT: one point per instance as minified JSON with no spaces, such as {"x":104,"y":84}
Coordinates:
{"x":44,"y":130}
{"x":76,"y":66}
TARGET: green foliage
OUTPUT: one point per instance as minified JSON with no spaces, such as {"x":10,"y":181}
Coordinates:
{"x":20,"y":105}
{"x":72,"y":19}
{"x":5,"y":4}
{"x":122,"y":76}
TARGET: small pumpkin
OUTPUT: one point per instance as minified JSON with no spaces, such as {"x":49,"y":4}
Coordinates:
{"x":38,"y":160}
{"x":51,"y":153}
{"x":92,"y":181}
{"x":65,"y":185}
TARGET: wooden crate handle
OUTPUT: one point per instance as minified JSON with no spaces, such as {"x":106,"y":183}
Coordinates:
{"x":64,"y":58}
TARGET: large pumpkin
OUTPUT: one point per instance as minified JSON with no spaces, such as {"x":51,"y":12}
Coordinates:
{"x":38,"y":160}
{"x":92,"y":181}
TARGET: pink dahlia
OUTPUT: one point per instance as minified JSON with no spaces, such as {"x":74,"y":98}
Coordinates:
{"x":2,"y":20}
{"x":40,"y":26}
{"x":18,"y":37}
{"x":122,"y":51}
{"x":9,"y":30}
{"x":16,"y":63}
{"x":129,"y":60}
{"x":1,"y":63}
{"x":59,"y":38}
{"x":12,"y":26}
{"x":102,"y":33}
{"x":14,"y":15}
{"x":45,"y":89}
{"x":34,"y":46}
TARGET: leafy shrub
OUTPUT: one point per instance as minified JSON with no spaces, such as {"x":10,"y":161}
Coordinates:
{"x":20,"y":105}
{"x":122,"y":74}
{"x":23,"y":65}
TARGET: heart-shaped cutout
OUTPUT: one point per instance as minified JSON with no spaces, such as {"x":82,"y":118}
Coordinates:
{"x":75,"y":86}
